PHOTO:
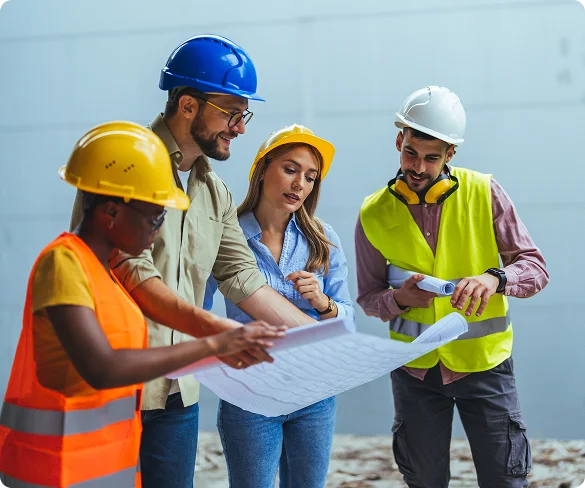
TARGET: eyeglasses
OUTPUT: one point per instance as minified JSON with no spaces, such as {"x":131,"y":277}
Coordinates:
{"x":235,"y":117}
{"x":155,"y":223}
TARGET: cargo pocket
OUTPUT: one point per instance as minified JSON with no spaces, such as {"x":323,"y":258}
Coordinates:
{"x":400,"y":447}
{"x":519,"y":456}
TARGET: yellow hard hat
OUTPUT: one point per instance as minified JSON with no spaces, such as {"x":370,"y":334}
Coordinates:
{"x":296,"y":133}
{"x":124,"y":159}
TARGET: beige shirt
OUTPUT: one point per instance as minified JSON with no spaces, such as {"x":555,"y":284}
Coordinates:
{"x":205,"y":239}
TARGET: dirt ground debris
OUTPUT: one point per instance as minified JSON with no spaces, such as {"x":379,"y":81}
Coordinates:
{"x":367,"y":462}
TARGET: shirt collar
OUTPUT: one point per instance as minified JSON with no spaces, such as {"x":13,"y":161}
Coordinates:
{"x":161,"y":129}
{"x":293,"y":223}
{"x":251,"y":227}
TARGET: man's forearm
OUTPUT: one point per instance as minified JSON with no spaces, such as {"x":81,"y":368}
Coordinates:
{"x":379,"y":303}
{"x":158,"y":302}
{"x":268,"y":305}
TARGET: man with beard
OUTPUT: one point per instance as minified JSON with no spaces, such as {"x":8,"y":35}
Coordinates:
{"x":451,"y":223}
{"x":210,"y":80}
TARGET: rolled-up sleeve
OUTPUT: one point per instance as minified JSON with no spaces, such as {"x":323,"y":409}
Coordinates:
{"x":335,"y":283}
{"x":132,"y":271}
{"x":235,"y":268}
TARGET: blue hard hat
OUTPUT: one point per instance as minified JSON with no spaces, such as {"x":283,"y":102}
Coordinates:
{"x":211,"y":64}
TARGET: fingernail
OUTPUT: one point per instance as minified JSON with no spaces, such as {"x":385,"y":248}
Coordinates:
{"x":460,"y":307}
{"x":467,"y":313}
{"x":477,"y":314}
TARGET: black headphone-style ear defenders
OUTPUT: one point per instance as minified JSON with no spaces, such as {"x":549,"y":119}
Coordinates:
{"x":444,"y":186}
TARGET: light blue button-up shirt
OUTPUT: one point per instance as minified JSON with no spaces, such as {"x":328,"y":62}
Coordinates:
{"x":294,"y":257}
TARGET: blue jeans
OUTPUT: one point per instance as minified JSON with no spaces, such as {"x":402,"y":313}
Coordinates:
{"x":169,"y":445}
{"x":256,"y":446}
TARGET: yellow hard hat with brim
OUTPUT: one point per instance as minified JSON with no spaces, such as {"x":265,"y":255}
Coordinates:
{"x":124,"y":159}
{"x":296,"y":133}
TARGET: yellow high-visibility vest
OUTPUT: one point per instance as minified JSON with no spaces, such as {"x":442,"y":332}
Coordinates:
{"x":466,"y":246}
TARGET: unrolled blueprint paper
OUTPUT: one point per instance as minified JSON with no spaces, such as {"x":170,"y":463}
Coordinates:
{"x":397,"y":276}
{"x":305,"y":372}
{"x":299,"y":336}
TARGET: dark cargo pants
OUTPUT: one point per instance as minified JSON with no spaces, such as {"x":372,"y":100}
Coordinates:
{"x":488,"y":406}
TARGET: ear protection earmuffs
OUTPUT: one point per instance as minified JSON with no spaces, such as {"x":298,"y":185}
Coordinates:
{"x":442,"y":187}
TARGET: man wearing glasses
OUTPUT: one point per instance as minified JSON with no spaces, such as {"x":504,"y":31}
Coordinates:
{"x":209,"y":80}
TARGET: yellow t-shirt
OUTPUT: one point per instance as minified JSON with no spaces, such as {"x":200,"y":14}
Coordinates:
{"x":59,"y":279}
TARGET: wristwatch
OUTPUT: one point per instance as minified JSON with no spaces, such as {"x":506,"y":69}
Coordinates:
{"x":499,"y":273}
{"x":329,"y":309}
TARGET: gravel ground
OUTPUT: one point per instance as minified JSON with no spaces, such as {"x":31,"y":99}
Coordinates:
{"x":367,"y":462}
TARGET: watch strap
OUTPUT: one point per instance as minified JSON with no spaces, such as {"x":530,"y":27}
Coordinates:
{"x":329,"y":308}
{"x":501,"y":275}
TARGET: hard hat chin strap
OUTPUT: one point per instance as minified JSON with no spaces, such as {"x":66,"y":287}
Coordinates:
{"x":445,"y":185}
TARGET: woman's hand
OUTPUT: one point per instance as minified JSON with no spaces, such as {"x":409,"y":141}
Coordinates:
{"x":307,"y":285}
{"x":251,"y":337}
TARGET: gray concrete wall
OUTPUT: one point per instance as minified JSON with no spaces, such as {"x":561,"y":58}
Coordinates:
{"x":341,"y":68}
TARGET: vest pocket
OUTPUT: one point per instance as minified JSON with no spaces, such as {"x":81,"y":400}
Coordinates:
{"x":519,"y":456}
{"x":400,"y":447}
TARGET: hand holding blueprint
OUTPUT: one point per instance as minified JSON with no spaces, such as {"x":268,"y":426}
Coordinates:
{"x":315,"y":362}
{"x":298,"y":336}
{"x":397,"y":276}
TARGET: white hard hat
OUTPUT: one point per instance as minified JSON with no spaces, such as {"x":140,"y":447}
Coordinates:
{"x":434,"y":110}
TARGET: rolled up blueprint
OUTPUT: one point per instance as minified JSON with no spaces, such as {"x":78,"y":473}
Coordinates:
{"x":397,"y":276}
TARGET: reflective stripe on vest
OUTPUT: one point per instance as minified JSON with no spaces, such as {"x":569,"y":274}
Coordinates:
{"x":48,"y":439}
{"x":476,"y":330}
{"x":122,"y":479}
{"x":54,"y":422}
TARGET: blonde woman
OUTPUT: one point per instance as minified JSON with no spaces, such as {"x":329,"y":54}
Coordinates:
{"x":302,"y":259}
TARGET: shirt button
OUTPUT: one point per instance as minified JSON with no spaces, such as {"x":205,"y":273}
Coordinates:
{"x":426,"y":205}
{"x":428,"y":234}
{"x":282,"y":277}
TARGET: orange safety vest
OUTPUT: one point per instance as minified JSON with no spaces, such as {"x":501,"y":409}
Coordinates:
{"x":50,"y":440}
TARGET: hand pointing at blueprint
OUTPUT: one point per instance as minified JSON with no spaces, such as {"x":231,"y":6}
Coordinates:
{"x":315,"y":362}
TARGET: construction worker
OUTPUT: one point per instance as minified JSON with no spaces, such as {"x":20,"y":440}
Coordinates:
{"x":210,"y":81}
{"x":451,"y":223}
{"x":71,"y":412}
{"x":302,"y":258}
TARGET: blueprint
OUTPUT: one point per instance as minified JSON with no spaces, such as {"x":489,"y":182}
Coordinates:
{"x":397,"y":276}
{"x":315,"y":362}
